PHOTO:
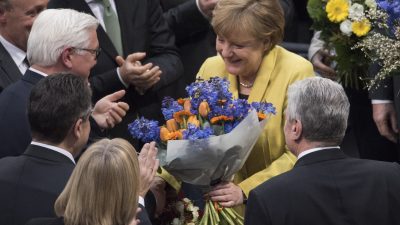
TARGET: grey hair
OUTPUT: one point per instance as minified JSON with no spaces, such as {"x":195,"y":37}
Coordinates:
{"x":57,"y":29}
{"x":322,"y":107}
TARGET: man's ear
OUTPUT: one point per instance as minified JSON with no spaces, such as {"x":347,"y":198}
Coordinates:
{"x":78,"y":128}
{"x":66,"y":57}
{"x":297,"y":129}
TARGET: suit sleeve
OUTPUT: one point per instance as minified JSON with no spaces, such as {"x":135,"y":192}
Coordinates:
{"x":185,"y":20}
{"x":162,"y":51}
{"x":256,"y":211}
{"x":143,"y":216}
{"x":288,"y":10}
{"x":383,"y":90}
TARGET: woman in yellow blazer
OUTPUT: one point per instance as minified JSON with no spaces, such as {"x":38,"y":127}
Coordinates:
{"x":259,"y":70}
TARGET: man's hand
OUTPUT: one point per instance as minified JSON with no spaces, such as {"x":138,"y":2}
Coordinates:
{"x":207,"y":6}
{"x":158,"y":189}
{"x":132,"y":72}
{"x":385,"y":119}
{"x":108,"y":112}
{"x":148,"y":165}
{"x":227,"y":194}
{"x":321,"y":61}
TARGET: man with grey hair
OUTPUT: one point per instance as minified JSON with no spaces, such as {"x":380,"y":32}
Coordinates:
{"x":325,"y":186}
{"x":60,"y":41}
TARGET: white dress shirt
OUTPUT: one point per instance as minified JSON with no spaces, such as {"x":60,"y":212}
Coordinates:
{"x":306,"y":152}
{"x":98,"y":10}
{"x":16,"y":54}
{"x":56,"y":149}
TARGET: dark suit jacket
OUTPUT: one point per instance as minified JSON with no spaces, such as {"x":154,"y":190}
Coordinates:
{"x":195,"y":37}
{"x":143,"y":217}
{"x":15,"y":133}
{"x":386,"y":89}
{"x":30,"y":184}
{"x":143,"y":29}
{"x":9,"y":72}
{"x":326,"y":187}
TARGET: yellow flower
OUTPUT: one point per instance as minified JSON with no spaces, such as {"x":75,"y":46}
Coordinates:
{"x":337,"y":10}
{"x":361,"y":28}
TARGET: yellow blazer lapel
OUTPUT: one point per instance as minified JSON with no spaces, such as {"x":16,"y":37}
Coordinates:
{"x":263,"y":76}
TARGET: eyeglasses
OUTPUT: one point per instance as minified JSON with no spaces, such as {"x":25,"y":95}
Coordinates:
{"x":95,"y":52}
{"x":87,"y":114}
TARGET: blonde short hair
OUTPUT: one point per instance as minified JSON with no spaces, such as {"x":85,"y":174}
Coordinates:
{"x":103,"y":188}
{"x":262,"y":19}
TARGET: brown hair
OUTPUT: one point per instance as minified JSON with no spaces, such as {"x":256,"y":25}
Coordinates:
{"x":262,"y":19}
{"x":103,"y":189}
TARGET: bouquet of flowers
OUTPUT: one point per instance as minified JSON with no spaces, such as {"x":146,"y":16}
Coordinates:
{"x":383,"y":44}
{"x":208,"y":136}
{"x":343,"y":23}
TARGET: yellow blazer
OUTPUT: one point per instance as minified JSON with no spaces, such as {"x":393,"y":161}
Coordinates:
{"x":279,"y":68}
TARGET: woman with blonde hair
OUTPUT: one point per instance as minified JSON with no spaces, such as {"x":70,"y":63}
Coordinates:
{"x":248,"y":34}
{"x":103,"y":188}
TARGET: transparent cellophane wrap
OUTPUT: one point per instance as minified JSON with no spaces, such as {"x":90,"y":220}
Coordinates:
{"x":206,"y":162}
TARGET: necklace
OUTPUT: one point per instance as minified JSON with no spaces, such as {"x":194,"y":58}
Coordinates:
{"x":246,"y":85}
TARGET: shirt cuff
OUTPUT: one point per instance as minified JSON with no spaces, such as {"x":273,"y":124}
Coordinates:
{"x":120,"y":79}
{"x":141,"y":201}
{"x":375,"y":101}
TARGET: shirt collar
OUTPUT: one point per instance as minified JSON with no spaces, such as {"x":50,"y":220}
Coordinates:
{"x":38,"y":71}
{"x":55,"y":148}
{"x":16,"y":53}
{"x":306,"y":152}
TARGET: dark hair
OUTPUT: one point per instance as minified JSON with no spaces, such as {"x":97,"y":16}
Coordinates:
{"x":5,"y":5}
{"x":55,"y":104}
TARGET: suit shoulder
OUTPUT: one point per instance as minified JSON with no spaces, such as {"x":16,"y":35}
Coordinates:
{"x":213,"y":66}
{"x":295,"y":62}
{"x":279,"y":183}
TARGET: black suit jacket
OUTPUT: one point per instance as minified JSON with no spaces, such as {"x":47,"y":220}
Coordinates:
{"x":326,"y":187}
{"x":143,"y":29}
{"x":9,"y":72}
{"x":194,"y":35}
{"x":30,"y":184}
{"x":15,"y":133}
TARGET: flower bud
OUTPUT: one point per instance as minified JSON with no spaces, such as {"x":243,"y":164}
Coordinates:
{"x":204,"y":109}
{"x":172,"y":125}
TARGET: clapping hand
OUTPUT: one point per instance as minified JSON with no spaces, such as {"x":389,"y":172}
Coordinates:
{"x":142,"y":77}
{"x":107,"y":112}
{"x":148,"y":165}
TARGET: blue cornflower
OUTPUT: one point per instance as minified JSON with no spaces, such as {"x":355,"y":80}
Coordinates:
{"x":194,"y":133}
{"x":240,"y":108}
{"x":145,"y":130}
{"x":169,"y":107}
{"x":392,"y":8}
{"x":264,"y":107}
